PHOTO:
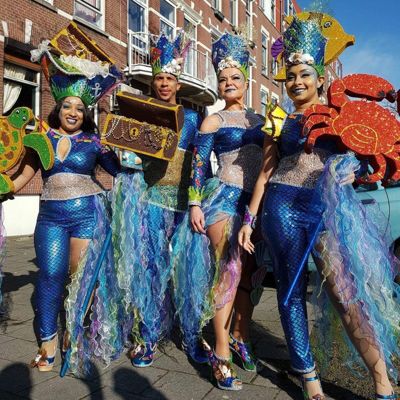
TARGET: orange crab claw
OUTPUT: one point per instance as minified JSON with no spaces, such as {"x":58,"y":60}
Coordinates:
{"x":368,"y":86}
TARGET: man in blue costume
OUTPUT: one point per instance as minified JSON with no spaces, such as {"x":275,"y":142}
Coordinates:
{"x":166,"y":199}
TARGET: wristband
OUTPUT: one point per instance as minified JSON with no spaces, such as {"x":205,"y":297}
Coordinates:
{"x":249,"y":218}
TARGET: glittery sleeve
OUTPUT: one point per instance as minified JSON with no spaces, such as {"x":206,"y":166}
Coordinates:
{"x":201,"y":159}
{"x":108,"y":160}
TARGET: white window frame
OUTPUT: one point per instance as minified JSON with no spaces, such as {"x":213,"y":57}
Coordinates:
{"x":263,"y":90}
{"x":266,"y":7}
{"x":141,"y":37}
{"x":233,"y":12}
{"x":273,"y":11}
{"x":289,"y":9}
{"x":249,"y":18}
{"x":167,"y":21}
{"x":190,"y":68}
{"x":275,"y":97}
{"x":101,"y":12}
{"x":265,"y":33}
{"x":216,"y":4}
{"x":35,"y":85}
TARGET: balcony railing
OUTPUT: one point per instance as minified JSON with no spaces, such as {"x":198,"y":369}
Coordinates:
{"x":197,"y":70}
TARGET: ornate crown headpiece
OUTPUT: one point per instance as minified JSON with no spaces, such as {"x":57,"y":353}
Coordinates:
{"x":230,"y":51}
{"x":311,"y":38}
{"x":75,"y":66}
{"x":166,"y":56}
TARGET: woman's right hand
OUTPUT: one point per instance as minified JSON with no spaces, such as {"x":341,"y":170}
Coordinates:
{"x":244,"y":238}
{"x":197,"y":219}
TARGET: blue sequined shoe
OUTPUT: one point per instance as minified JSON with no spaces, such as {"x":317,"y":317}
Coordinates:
{"x":245,"y":352}
{"x":222,"y":370}
{"x":311,"y":379}
{"x":392,"y":396}
{"x":143,"y":356}
{"x":198,"y":354}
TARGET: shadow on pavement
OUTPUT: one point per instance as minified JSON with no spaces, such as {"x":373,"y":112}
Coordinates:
{"x":127,"y":382}
{"x":13,"y":379}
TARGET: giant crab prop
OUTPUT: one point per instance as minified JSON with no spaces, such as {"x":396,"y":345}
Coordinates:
{"x":362,"y":126}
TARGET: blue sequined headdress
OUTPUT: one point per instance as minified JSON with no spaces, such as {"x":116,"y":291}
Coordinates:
{"x":75,"y":66}
{"x":230,"y":51}
{"x":312,"y":38}
{"x":166,"y":56}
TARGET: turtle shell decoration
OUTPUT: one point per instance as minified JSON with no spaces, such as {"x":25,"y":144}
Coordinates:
{"x":362,"y":125}
{"x":14,"y":139}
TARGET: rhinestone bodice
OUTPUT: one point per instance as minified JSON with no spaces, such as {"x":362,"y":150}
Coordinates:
{"x":237,"y":145}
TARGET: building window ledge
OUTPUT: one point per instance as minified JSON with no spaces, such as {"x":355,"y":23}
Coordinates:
{"x":218,"y":14}
{"x":46,"y":4}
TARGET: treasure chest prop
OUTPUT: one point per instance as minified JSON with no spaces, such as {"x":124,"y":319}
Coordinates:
{"x":71,"y":41}
{"x":146,"y":126}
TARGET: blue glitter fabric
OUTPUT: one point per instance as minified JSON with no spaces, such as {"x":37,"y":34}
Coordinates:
{"x":59,"y":220}
{"x":286,"y":223}
{"x":84,"y":154}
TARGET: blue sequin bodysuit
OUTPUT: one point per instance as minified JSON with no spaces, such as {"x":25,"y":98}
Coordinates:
{"x":287,"y":220}
{"x":66,"y":211}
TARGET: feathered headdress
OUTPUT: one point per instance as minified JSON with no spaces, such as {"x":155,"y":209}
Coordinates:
{"x":230,"y":51}
{"x":166,"y":56}
{"x":75,"y":66}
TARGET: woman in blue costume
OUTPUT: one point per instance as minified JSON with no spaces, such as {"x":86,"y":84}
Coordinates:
{"x":235,"y":136}
{"x":302,"y":187}
{"x":147,"y":286}
{"x":70,"y":199}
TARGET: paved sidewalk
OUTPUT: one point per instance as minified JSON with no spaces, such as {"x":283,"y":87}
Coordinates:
{"x":172,"y":377}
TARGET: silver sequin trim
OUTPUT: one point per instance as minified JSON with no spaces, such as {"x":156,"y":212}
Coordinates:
{"x":301,"y":169}
{"x":66,"y":186}
{"x":241,"y":167}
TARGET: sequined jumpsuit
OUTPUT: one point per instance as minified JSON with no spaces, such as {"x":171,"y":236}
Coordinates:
{"x":167,"y":201}
{"x":237,"y":145}
{"x":287,"y":223}
{"x":66,"y":210}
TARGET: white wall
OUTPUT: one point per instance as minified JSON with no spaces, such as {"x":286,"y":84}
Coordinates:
{"x":20,"y":215}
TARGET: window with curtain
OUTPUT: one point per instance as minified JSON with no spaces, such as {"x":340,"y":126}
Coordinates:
{"x":233,"y":12}
{"x":190,"y":61}
{"x":20,"y":88}
{"x":137,"y":23}
{"x":91,"y":11}
{"x":264,"y":53}
{"x":167,"y":19}
{"x":264,"y":101}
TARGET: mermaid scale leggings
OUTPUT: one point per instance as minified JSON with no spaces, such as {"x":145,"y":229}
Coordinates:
{"x":286,"y":224}
{"x":58,"y":221}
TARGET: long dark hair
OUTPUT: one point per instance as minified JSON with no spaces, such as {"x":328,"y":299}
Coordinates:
{"x":88,"y":124}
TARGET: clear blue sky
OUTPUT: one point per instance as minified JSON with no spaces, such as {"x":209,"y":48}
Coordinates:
{"x":376,"y":26}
